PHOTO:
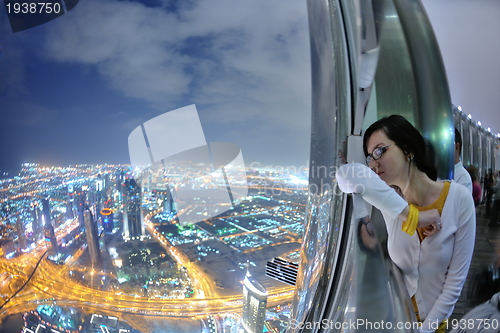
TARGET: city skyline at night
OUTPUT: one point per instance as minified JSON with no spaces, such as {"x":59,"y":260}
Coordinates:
{"x":170,"y":270}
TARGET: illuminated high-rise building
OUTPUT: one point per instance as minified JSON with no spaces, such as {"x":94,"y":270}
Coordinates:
{"x":46,"y":211}
{"x":80,"y":207}
{"x":133,"y":226}
{"x":92,"y":196}
{"x":70,"y":214}
{"x":21,"y":234}
{"x":167,"y":200}
{"x":50,"y":237}
{"x":92,"y":235}
{"x":99,"y":184}
{"x":71,"y":189}
{"x":254,"y":305}
{"x":107,"y":218}
{"x":37,"y":220}
{"x":119,"y":177}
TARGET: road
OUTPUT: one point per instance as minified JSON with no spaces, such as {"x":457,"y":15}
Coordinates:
{"x":52,"y":282}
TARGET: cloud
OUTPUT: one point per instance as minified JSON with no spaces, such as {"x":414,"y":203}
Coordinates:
{"x":238,"y":61}
{"x":26,"y":113}
{"x":131,"y":45}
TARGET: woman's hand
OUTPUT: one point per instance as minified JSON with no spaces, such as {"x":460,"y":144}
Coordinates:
{"x":430,"y":220}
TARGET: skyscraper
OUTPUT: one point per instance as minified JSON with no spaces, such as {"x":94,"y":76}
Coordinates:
{"x":46,"y":211}
{"x":50,"y":237}
{"x":254,"y":305}
{"x":36,"y":216}
{"x":168,"y":201}
{"x":92,"y":238}
{"x":21,"y":234}
{"x":133,"y":226}
{"x":80,"y":207}
{"x":119,"y":177}
{"x":106,"y":215}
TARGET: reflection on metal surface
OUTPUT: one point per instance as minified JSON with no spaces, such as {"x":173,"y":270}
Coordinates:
{"x":361,"y":51}
{"x":434,"y":117}
{"x":395,"y":87}
{"x":411,"y":80}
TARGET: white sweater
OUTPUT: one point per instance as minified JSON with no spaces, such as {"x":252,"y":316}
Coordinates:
{"x":436,"y":268}
{"x":461,"y":176}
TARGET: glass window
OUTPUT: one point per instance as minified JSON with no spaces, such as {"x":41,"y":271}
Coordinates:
{"x":154,"y":160}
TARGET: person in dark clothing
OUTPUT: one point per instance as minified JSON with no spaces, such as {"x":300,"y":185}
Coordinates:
{"x":476,"y":187}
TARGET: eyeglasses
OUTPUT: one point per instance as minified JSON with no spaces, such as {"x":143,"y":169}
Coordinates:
{"x":376,"y":154}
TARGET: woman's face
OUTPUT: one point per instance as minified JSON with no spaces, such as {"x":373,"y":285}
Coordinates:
{"x":392,"y":166}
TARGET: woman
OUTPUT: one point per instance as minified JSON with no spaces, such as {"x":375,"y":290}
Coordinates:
{"x":476,"y":187}
{"x":434,"y":261}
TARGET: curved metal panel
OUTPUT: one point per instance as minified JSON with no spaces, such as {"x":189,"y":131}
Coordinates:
{"x":411,"y":79}
{"x":395,"y":87}
{"x":339,"y":279}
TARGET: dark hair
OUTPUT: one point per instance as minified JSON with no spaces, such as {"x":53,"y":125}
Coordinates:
{"x":406,"y":137}
{"x":458,"y":138}
{"x":472,"y":172}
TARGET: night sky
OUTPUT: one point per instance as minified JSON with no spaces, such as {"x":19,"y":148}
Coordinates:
{"x":73,"y":89}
